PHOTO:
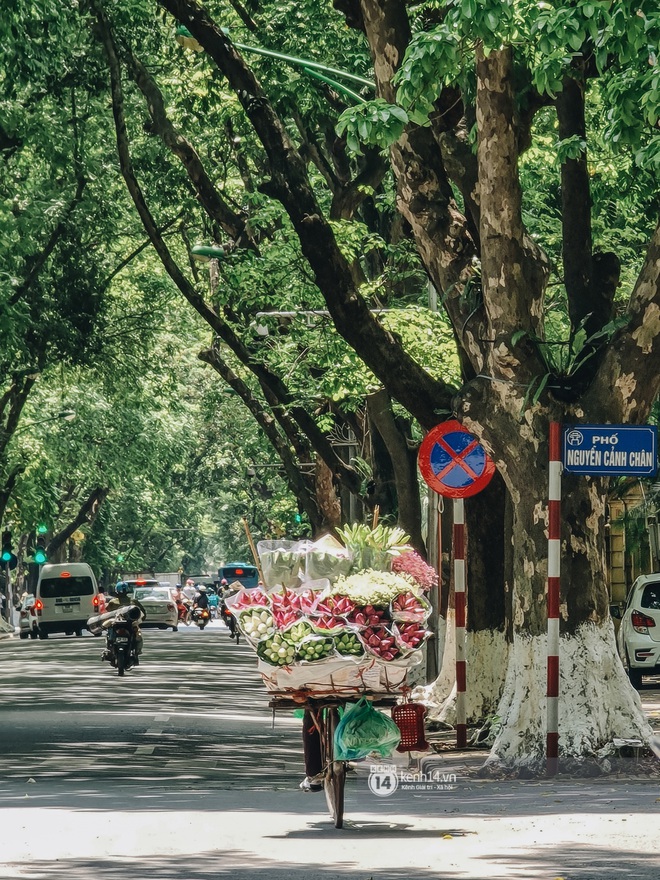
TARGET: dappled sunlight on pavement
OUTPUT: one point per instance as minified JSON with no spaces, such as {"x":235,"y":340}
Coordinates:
{"x":174,"y":772}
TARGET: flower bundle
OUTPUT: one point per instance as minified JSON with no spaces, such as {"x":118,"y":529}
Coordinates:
{"x":409,"y":606}
{"x":380,"y":613}
{"x":411,"y":563}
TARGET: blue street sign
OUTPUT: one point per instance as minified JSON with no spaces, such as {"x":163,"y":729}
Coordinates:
{"x":611,"y":450}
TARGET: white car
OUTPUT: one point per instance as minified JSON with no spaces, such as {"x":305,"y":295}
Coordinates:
{"x":638,"y":638}
{"x":159,"y":604}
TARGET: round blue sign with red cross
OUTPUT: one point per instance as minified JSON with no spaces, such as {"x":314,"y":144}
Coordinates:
{"x":453,"y":462}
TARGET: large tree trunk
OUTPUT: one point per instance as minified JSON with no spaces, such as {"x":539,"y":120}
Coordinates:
{"x":596,"y":701}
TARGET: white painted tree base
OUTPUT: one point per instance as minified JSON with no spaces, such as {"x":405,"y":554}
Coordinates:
{"x":597,"y":703}
{"x":487,"y":652}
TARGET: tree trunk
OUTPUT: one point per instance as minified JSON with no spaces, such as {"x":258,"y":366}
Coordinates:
{"x":596,"y":701}
{"x":329,"y":504}
{"x":404,"y":466}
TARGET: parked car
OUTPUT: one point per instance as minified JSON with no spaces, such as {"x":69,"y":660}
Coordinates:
{"x":159,"y":604}
{"x":638,"y":638}
{"x":28,"y":622}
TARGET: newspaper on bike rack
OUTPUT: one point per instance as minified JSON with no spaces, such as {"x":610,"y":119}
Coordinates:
{"x":341,"y":677}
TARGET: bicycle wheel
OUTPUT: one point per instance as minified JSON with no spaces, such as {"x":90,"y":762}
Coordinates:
{"x":335,"y":771}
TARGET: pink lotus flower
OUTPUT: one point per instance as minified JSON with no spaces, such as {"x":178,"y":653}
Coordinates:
{"x":412,"y":564}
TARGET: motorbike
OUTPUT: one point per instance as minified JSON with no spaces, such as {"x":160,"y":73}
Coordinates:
{"x":201,"y":616}
{"x":184,"y":613}
{"x":228,"y":619}
{"x":121,"y":643}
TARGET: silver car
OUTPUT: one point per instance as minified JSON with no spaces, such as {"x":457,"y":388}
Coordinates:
{"x":159,"y":605}
{"x":28,"y":622}
{"x":638,"y":638}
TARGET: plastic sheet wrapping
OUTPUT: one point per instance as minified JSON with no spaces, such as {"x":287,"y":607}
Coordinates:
{"x":326,"y":558}
{"x":280,"y":562}
{"x":95,"y":624}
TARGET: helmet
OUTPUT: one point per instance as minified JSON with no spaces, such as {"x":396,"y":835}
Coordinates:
{"x":190,"y":582}
{"x":121,"y":588}
{"x":202,"y":588}
{"x":223,"y":582}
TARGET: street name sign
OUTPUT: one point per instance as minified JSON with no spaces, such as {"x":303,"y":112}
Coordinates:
{"x":611,"y":450}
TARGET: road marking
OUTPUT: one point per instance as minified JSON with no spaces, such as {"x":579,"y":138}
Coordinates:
{"x":145,"y":750}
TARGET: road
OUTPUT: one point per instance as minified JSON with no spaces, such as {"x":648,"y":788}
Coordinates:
{"x":174,"y":771}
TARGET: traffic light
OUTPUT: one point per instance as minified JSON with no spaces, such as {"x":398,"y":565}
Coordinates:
{"x":40,"y":555}
{"x":8,"y":558}
{"x":298,"y":518}
{"x":6,"y":547}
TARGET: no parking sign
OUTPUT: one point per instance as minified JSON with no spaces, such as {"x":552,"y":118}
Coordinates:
{"x":453,"y":462}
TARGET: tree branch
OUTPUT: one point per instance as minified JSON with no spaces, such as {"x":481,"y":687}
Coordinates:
{"x":295,"y":479}
{"x":211,"y":200}
{"x":223,"y":330}
{"x":86,"y":514}
{"x":409,"y":383}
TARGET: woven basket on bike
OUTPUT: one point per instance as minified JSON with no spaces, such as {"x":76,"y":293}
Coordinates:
{"x":409,"y":718}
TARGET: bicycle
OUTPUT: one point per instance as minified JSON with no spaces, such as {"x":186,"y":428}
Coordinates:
{"x":325,"y":713}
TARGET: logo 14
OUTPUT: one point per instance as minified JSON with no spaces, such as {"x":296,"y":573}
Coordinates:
{"x":383,"y":781}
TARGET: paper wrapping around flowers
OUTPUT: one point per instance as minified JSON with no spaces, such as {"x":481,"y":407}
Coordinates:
{"x":340,"y":677}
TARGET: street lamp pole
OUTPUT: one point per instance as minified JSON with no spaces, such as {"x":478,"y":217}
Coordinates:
{"x":311,"y":68}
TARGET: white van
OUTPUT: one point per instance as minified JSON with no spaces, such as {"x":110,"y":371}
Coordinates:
{"x":67,"y":596}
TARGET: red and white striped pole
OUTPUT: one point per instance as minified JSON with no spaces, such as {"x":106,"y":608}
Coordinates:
{"x":459,"y":608}
{"x":554,"y":566}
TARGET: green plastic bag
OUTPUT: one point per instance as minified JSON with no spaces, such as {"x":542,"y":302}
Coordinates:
{"x":362,"y":730}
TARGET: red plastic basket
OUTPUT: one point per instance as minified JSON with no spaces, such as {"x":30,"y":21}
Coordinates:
{"x":409,"y":718}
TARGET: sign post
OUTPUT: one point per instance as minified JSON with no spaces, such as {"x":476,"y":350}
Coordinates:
{"x":455,"y":465}
{"x":590,"y":450}
{"x":554,"y":565}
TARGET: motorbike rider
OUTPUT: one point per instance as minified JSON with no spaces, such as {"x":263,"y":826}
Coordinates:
{"x":182,"y":603}
{"x":228,"y":619}
{"x":214,"y":601}
{"x":122,"y":599}
{"x":202,"y":600}
{"x":189,"y":590}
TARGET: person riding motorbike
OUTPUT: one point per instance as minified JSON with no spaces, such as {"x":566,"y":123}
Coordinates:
{"x":182,"y":603}
{"x":202,"y":600}
{"x":228,"y":619}
{"x":122,"y":599}
{"x":214,"y":601}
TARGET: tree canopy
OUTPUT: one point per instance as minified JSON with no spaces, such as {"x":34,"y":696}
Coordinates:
{"x":502,"y":157}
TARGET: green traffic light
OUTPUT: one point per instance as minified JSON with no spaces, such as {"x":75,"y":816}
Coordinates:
{"x":6,"y":556}
{"x":40,"y":556}
{"x":42,"y":529}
